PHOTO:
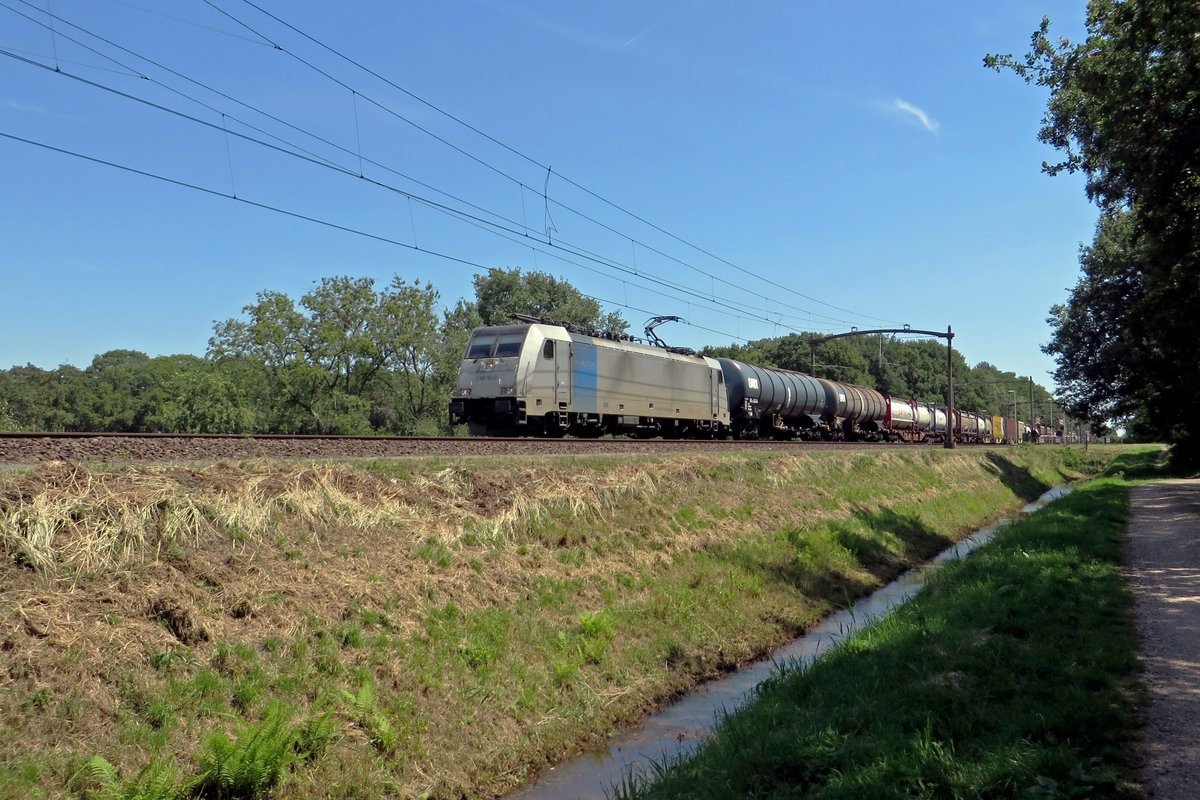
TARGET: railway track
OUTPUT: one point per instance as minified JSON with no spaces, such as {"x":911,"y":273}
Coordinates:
{"x":37,"y":448}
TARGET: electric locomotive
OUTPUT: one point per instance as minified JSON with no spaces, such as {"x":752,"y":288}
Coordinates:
{"x":538,"y":379}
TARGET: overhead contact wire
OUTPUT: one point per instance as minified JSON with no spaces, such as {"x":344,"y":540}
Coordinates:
{"x":292,"y":214}
{"x":321,"y":161}
{"x":527,"y":158}
{"x":501,"y":172}
{"x":311,"y":158}
{"x":810,"y":315}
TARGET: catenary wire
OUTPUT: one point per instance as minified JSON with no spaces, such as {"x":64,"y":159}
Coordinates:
{"x":524,"y":156}
{"x":501,"y":172}
{"x":189,"y":22}
{"x":473,"y":265}
{"x":478,"y":222}
{"x":809,"y":315}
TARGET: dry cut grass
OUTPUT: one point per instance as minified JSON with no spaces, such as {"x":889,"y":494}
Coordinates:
{"x":63,"y":519}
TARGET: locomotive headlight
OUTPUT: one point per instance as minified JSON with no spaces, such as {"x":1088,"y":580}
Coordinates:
{"x":465,"y":391}
{"x":508,"y":390}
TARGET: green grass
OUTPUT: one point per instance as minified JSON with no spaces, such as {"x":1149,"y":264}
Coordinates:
{"x":1011,"y":675}
{"x":554,"y":629}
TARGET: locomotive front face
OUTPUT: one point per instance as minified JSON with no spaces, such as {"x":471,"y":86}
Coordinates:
{"x":493,"y":378}
{"x":495,"y":356}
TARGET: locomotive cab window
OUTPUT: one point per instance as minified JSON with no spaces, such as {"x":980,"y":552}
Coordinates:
{"x":509,"y":345}
{"x":481,"y":347}
{"x":548,"y":349}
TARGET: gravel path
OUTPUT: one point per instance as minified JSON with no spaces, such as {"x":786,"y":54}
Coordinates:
{"x":1163,"y":560}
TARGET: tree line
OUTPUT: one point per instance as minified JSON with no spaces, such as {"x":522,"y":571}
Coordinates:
{"x":1124,"y":109}
{"x":350,"y":357}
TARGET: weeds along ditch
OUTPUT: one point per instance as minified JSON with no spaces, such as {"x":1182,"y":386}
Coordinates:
{"x":433,"y":627}
{"x":1013,"y":674}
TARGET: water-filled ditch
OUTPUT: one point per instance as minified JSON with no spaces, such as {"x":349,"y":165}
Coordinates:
{"x":679,"y":728}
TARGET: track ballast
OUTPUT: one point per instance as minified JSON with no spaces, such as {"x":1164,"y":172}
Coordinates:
{"x":36,"y":448}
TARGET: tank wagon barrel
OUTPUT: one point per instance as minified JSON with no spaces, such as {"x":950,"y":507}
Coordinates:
{"x":783,"y":403}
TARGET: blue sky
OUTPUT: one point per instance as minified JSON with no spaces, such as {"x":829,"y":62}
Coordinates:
{"x":791,"y":166}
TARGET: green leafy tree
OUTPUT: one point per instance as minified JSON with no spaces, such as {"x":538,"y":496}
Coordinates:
{"x":457,"y":325}
{"x":201,"y":396}
{"x":1124,"y":108}
{"x":116,"y":382}
{"x":42,"y":400}
{"x":8,"y":423}
{"x":839,"y":360}
{"x":792,"y":351}
{"x":1092,"y":345}
{"x":412,"y":343}
{"x":748,"y":353}
{"x":889,"y":377}
{"x":346,"y":358}
{"x":315,"y":361}
{"x":501,"y":293}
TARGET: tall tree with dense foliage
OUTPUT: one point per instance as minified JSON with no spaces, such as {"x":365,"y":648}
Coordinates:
{"x":42,"y":399}
{"x":501,"y":293}
{"x":346,"y":356}
{"x":197,"y":395}
{"x":1124,"y":109}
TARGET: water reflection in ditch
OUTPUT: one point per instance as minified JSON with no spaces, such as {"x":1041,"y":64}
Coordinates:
{"x":678,"y":729}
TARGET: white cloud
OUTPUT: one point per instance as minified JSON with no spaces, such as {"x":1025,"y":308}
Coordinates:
{"x":908,"y":108}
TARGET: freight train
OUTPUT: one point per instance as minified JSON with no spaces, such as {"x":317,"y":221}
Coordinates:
{"x":543,"y":379}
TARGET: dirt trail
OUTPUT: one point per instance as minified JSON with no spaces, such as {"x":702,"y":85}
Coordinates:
{"x":1163,"y":561}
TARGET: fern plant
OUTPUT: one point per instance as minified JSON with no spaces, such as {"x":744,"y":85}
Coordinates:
{"x":255,"y":761}
{"x":363,"y":710}
{"x":315,"y":734}
{"x":157,"y":781}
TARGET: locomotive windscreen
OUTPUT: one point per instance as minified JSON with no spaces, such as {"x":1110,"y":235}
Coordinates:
{"x":493,"y":345}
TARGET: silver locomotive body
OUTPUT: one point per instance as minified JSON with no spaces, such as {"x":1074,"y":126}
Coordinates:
{"x":540,"y":379}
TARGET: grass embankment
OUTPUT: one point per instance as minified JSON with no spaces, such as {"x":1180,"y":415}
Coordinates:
{"x":439,"y":628}
{"x":1011,"y":675}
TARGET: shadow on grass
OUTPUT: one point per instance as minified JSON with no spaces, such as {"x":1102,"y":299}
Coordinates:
{"x":815,"y":579}
{"x":1017,"y":478}
{"x":828,"y":564}
{"x":1143,"y":465}
{"x":917,"y":541}
{"x":1008,"y":677}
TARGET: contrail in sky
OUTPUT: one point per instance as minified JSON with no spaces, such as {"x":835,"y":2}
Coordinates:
{"x":640,"y":35}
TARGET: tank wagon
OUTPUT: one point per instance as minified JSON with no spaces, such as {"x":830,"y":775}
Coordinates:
{"x":545,"y":379}
{"x":764,"y":401}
